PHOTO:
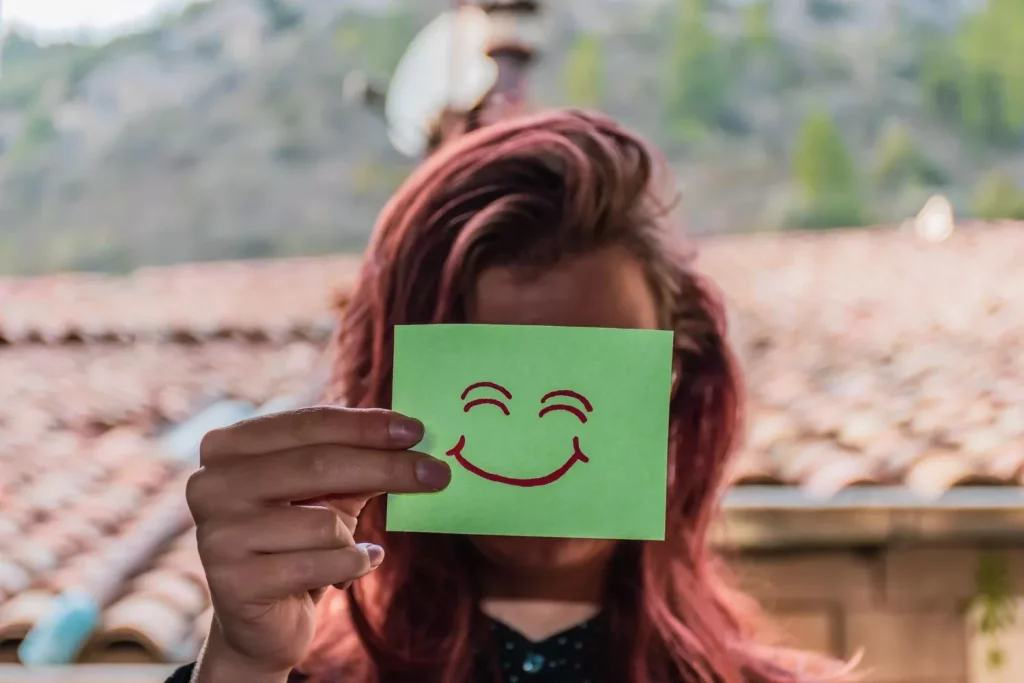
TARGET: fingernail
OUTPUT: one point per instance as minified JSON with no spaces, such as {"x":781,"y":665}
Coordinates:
{"x":433,"y":473}
{"x":405,"y":428}
{"x":374,"y":552}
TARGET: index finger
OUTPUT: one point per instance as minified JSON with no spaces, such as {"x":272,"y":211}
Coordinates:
{"x":311,"y":473}
{"x":315,"y":426}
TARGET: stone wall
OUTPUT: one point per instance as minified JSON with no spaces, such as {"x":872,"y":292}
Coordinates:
{"x":911,"y":610}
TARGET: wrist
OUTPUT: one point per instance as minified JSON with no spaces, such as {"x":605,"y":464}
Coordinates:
{"x":219,"y":663}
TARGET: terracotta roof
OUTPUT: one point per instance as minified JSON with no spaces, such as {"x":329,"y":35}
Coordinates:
{"x":83,"y":467}
{"x":871,"y":357}
{"x":287,"y":298}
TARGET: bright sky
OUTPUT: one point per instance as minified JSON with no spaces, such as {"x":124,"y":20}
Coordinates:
{"x":70,"y":15}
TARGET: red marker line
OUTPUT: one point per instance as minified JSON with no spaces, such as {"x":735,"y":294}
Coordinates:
{"x":577,"y":456}
{"x":572,"y":409}
{"x":571,"y":394}
{"x":487,"y":401}
{"x":488,"y":385}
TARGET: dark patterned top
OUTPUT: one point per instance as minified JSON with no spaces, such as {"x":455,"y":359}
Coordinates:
{"x":568,"y":657}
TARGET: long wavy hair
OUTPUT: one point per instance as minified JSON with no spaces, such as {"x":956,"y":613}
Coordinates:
{"x":533,"y":192}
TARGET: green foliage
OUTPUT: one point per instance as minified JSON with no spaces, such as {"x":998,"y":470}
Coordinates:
{"x":822,"y":162}
{"x":294,"y":150}
{"x":991,"y":48}
{"x":257,"y":247}
{"x":758,"y":32}
{"x":191,"y":12}
{"x":708,"y":66}
{"x":940,"y":74}
{"x":997,"y":197}
{"x":376,"y":41}
{"x":585,"y":72}
{"x":31,"y":69}
{"x":38,"y":130}
{"x":370,"y":178}
{"x":80,"y":68}
{"x":826,"y":175}
{"x":80,"y":62}
{"x":281,"y":14}
{"x":17,"y":90}
{"x":36,"y":134}
{"x":9,"y":255}
{"x":994,"y":602}
{"x":698,"y":78}
{"x":75,"y":250}
{"x":832,"y":64}
{"x":17,"y":47}
{"x":210,"y":49}
{"x":976,"y":79}
{"x":287,"y":110}
{"x":901,"y":162}
{"x":108,"y":259}
{"x":761,"y":56}
{"x":826,"y":11}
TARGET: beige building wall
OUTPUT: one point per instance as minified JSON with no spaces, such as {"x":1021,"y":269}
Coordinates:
{"x":915,"y":613}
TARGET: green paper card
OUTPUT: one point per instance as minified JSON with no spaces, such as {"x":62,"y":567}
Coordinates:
{"x":549,"y":431}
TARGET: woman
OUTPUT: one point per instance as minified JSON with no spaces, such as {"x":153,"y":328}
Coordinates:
{"x":556,"y":219}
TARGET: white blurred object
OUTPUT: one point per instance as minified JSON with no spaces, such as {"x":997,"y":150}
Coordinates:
{"x":445,"y":66}
{"x":935,"y":222}
{"x":354,"y":86}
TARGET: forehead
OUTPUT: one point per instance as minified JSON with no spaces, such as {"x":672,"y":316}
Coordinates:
{"x":606,"y":288}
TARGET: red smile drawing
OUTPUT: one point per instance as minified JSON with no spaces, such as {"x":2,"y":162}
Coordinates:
{"x":577,"y":456}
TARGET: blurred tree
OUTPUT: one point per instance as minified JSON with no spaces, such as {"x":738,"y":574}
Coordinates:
{"x":826,"y":11}
{"x":998,"y":197}
{"x":377,"y":40}
{"x":38,"y":131}
{"x":698,"y":76}
{"x":33,"y":72}
{"x":585,"y":72}
{"x":760,"y":55}
{"x":993,"y":49}
{"x":759,"y":34}
{"x":826,"y":175}
{"x":256,"y":247}
{"x":83,"y":65}
{"x":976,"y":79}
{"x":9,"y":255}
{"x":18,"y":46}
{"x":372,"y":178}
{"x":939,"y":75}
{"x":109,"y":259}
{"x":900,"y":162}
{"x":281,"y":14}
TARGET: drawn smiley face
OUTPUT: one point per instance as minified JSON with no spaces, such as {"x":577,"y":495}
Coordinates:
{"x":548,"y":405}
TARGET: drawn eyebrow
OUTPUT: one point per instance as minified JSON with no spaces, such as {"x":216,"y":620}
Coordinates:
{"x":571,"y":394}
{"x":487,"y":385}
{"x":486,"y":401}
{"x":580,"y":415}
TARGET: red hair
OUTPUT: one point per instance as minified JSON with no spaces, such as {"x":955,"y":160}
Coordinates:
{"x":532,"y":192}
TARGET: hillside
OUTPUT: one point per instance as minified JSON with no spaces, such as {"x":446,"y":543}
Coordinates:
{"x":223,"y":132}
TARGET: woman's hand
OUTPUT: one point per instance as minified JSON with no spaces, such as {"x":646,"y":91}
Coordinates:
{"x":276,"y":501}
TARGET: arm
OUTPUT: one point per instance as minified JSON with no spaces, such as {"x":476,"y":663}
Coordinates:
{"x":218,"y":664}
